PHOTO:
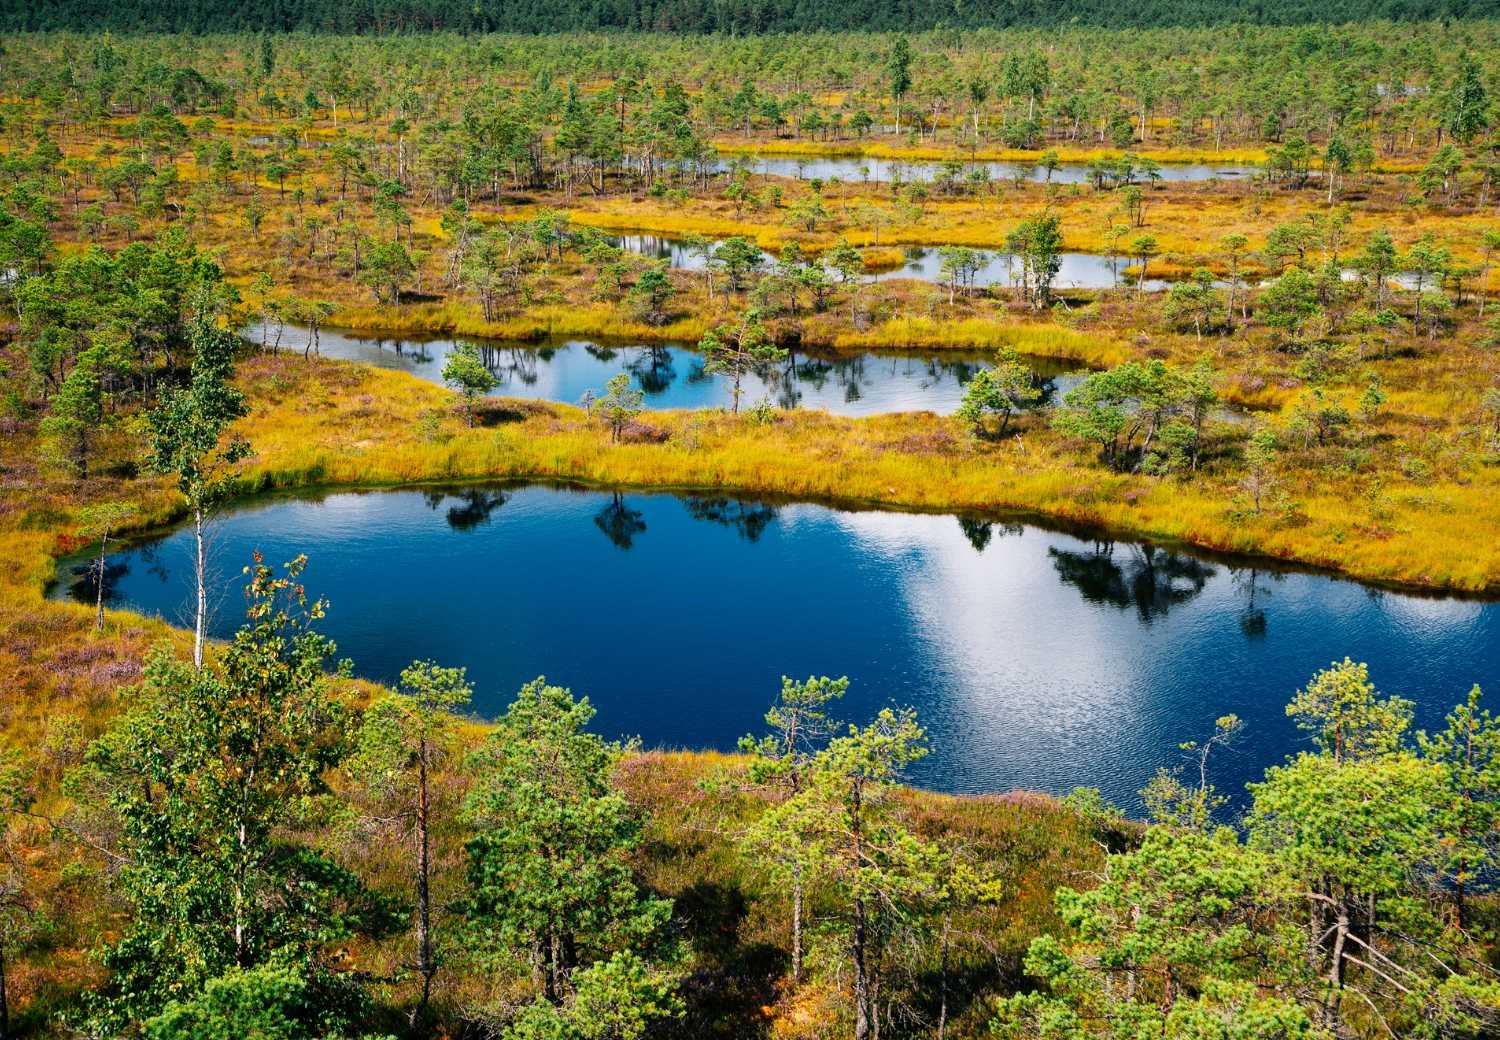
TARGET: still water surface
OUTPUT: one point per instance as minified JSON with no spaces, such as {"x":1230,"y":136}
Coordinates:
{"x":1037,"y":659}
{"x":858,"y":170}
{"x":924,"y":263}
{"x":1000,"y":269}
{"x":673,"y":376}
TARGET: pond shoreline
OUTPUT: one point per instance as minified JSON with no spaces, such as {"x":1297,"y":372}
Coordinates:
{"x":270,"y":480}
{"x":555,"y":443}
{"x":274,"y":490}
{"x":671,"y":375}
{"x":1050,"y":342}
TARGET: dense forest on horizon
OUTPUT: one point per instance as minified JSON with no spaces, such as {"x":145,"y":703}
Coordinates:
{"x":727,"y":16}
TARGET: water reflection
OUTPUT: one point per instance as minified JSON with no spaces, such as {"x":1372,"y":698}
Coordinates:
{"x":472,"y":506}
{"x":1150,"y":579}
{"x":619,"y":523}
{"x":82,"y":573}
{"x":1254,"y":584}
{"x":1075,"y":271}
{"x":925,"y":263}
{"x":980,"y":532}
{"x":861,"y":170}
{"x":654,"y":369}
{"x":672,"y":376}
{"x":1036,"y":658}
{"x":999,"y":269}
{"x":85,"y":576}
{"x":748,"y":519}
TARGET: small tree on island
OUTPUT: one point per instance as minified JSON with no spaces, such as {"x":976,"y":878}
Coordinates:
{"x":1143,"y":248}
{"x":849,"y":264}
{"x":740,"y":352}
{"x":465,"y":372}
{"x":620,"y":404}
{"x":1037,"y":243}
{"x":1009,"y":387}
{"x":738,"y":256}
{"x":651,"y":292}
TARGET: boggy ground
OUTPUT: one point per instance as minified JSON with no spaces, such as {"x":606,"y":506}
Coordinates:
{"x":64,"y":681}
{"x":315,"y":422}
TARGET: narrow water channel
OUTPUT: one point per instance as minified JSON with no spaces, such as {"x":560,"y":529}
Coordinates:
{"x":673,"y":376}
{"x":861,"y":170}
{"x":924,"y":263}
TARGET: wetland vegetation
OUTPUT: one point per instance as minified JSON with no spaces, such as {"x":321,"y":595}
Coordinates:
{"x":1050,"y":391}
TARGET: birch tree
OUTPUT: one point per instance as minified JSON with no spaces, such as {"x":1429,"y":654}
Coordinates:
{"x":209,"y":776}
{"x":191,"y":441}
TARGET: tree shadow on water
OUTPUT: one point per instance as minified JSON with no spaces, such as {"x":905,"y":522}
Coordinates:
{"x":85,"y":584}
{"x":619,"y":523}
{"x":1247,"y":580}
{"x":653,"y":370}
{"x":1151,"y":580}
{"x":474,"y":508}
{"x":748,"y":519}
{"x":980,"y":532}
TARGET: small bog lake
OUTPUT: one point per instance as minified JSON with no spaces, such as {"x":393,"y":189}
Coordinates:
{"x":859,"y":169}
{"x":924,"y":264}
{"x":672,"y":376}
{"x":1037,"y":659}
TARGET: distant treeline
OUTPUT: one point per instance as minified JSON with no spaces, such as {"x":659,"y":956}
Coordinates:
{"x":737,"y":16}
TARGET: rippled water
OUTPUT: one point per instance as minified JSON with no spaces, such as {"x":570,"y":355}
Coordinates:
{"x":673,"y":376}
{"x":1037,"y":659}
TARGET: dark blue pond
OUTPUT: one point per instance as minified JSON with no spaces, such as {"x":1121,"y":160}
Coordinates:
{"x":1037,"y":659}
{"x":672,"y":376}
